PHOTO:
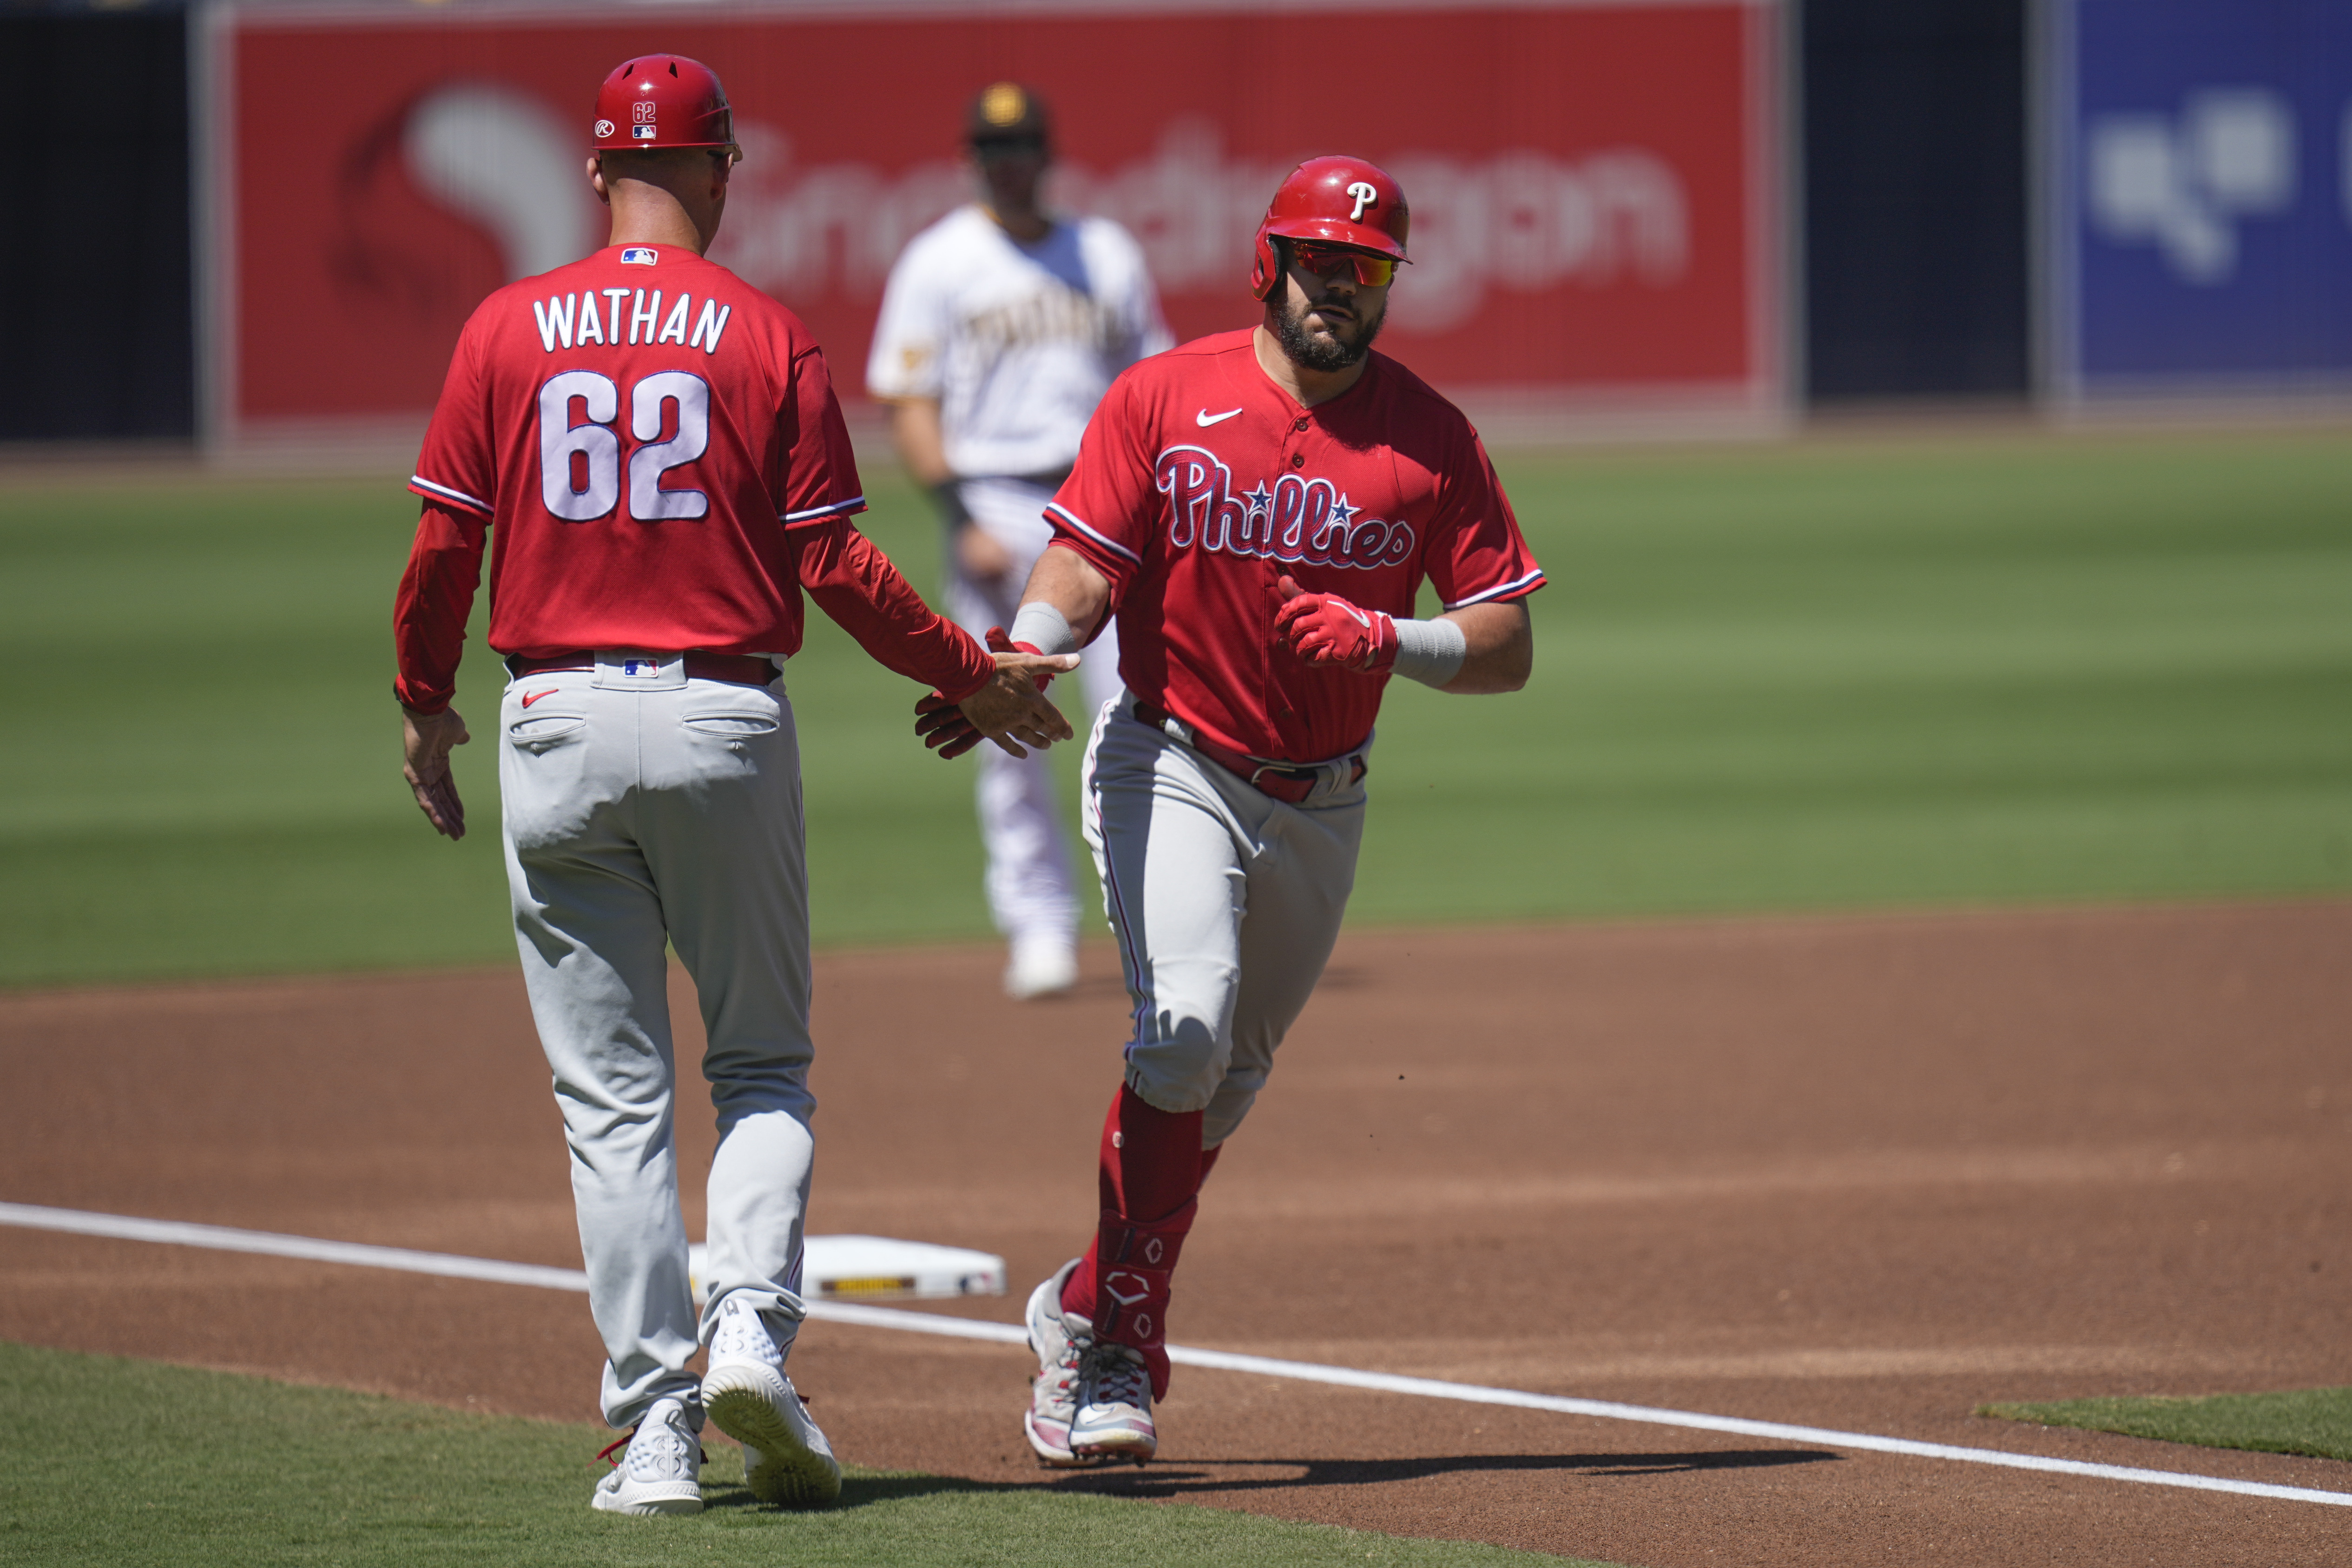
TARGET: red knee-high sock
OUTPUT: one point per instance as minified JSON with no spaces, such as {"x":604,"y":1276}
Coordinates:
{"x":1150,"y":1174}
{"x":1078,"y":1291}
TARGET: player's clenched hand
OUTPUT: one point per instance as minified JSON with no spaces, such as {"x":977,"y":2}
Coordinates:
{"x":1327,"y":631}
{"x":426,"y":739}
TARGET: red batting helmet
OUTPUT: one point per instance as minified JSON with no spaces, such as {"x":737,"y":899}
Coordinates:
{"x":1339,"y":201}
{"x":663,"y":101}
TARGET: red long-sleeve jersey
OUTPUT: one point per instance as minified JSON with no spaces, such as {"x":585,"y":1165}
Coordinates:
{"x":652,"y":453}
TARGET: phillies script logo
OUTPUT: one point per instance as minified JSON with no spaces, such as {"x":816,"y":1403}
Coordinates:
{"x":1296,"y":519}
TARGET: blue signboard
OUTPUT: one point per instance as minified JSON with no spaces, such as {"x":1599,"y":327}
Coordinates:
{"x":2202,"y":199}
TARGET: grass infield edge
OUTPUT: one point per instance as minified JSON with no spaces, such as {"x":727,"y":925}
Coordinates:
{"x":2314,"y":1422}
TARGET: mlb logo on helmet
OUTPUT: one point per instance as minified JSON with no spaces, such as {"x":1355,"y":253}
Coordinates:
{"x":663,"y":100}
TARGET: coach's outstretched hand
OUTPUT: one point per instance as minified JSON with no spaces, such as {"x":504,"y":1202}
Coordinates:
{"x":426,"y":739}
{"x":1010,"y":710}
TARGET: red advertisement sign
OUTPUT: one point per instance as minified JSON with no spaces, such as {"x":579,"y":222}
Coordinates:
{"x":1590,"y":183}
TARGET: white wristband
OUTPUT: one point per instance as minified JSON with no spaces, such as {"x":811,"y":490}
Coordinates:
{"x":1042,"y":628}
{"x":1431,"y":651}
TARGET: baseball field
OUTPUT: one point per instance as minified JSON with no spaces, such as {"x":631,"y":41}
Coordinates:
{"x":1889,"y":963}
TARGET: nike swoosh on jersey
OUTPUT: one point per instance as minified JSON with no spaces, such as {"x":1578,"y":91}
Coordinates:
{"x":535,"y":696}
{"x":1204,"y":418}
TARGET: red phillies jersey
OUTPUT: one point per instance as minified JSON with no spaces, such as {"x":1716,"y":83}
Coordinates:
{"x":637,"y":425}
{"x":1200,"y":482}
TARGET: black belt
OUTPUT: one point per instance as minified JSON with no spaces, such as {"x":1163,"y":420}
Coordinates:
{"x":735,"y":668}
{"x":1288,"y":783}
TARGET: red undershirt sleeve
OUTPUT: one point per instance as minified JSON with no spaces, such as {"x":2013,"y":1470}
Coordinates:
{"x":436,"y":594}
{"x":855,"y":582}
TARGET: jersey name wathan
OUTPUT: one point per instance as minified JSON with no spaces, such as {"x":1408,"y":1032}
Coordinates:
{"x":615,"y":317}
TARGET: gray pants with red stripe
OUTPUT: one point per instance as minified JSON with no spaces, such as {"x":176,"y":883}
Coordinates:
{"x":1226,"y":903}
{"x":641,"y":813}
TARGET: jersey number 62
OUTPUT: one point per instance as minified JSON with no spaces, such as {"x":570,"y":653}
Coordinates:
{"x":580,"y":465}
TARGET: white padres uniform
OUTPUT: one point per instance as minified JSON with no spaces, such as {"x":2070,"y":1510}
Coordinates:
{"x":1018,"y":344}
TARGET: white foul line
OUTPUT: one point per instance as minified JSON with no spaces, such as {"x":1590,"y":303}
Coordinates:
{"x":225,"y":1239}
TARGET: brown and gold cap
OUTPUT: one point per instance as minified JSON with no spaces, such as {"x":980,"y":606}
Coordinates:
{"x":1007,"y":111}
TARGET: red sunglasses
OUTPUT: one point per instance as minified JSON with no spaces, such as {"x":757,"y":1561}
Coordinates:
{"x":1371,"y":271}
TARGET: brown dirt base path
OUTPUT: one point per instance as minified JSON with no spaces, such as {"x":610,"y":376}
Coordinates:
{"x":1857,"y":1174}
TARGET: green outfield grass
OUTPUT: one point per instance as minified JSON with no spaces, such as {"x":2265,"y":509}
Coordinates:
{"x":2315,"y":1421}
{"x":127,"y":1464}
{"x":1813,"y":676}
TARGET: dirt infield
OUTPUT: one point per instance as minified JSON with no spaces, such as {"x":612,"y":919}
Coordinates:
{"x":1856,"y":1174}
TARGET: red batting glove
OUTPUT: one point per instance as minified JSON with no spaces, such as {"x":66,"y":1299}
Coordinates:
{"x":1329,"y":632}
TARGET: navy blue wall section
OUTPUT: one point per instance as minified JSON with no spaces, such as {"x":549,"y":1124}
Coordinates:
{"x":1916,"y":279}
{"x":98,"y":341}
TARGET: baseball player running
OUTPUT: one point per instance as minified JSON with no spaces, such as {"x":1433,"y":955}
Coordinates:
{"x":657,"y":448}
{"x":1258,"y":509}
{"x":1001,"y":327}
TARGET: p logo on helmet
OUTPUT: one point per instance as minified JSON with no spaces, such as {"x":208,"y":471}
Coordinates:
{"x":1331,"y":201}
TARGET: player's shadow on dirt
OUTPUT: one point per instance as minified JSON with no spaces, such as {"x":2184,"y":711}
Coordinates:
{"x":857,"y":1492}
{"x":1176,"y":1481}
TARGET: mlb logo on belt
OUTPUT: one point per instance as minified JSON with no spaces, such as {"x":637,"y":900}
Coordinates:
{"x":639,"y":255}
{"x":641,"y":668}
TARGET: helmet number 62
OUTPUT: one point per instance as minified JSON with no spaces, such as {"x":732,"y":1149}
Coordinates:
{"x":580,"y":465}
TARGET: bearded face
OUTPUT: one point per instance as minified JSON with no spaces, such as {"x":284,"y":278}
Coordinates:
{"x":1326,"y":322}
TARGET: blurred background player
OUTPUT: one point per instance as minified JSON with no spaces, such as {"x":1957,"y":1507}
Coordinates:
{"x":657,"y":445}
{"x":1261,"y":509}
{"x":1002,"y":326}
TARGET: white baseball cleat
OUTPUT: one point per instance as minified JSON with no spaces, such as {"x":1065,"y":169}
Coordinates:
{"x":786,"y":1460}
{"x":1058,"y":1338}
{"x":1114,"y":1415}
{"x":662,"y":1471}
{"x":1041,"y":966}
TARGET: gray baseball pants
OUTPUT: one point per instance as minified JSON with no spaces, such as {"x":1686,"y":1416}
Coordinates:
{"x":641,"y":810}
{"x":1226,"y":903}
